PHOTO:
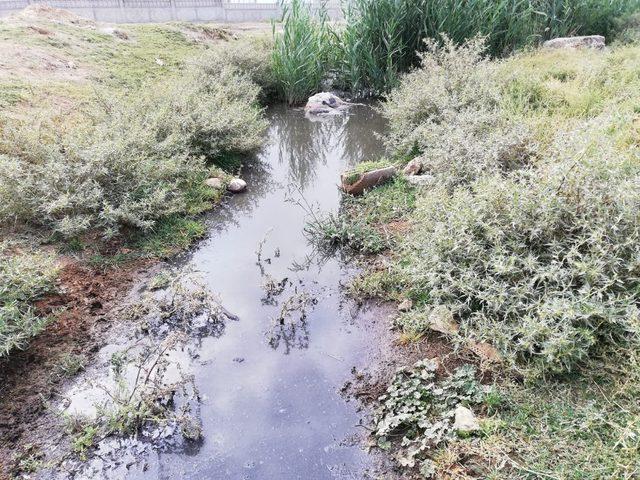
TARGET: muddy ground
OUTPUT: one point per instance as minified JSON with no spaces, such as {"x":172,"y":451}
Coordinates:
{"x":31,"y":379}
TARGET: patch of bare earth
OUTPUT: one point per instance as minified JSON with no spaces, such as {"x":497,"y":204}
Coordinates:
{"x":38,"y":65}
{"x":28,"y":380}
{"x":37,"y":12}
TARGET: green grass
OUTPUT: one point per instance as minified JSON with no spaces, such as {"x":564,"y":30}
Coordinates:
{"x":363,"y":225}
{"x":576,"y":429}
{"x":171,"y":235}
{"x":25,"y":276}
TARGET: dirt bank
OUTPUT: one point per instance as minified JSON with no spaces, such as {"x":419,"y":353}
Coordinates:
{"x":31,"y":379}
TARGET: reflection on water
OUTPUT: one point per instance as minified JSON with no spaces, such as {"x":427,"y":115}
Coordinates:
{"x":307,"y":145}
{"x":269,"y":386}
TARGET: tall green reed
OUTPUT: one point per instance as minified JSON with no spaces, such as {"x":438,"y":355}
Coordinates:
{"x":381,"y":38}
{"x":301,"y":52}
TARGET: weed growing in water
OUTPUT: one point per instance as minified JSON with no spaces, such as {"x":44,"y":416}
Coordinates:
{"x":70,"y":365}
{"x":290,"y":326}
{"x":183,"y":304}
{"x":142,"y":395}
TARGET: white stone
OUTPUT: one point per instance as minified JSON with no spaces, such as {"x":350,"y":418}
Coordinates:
{"x":324,"y":103}
{"x":421,"y":180}
{"x":441,"y":321}
{"x":237,"y":185}
{"x":414,"y":167}
{"x":465,"y":421}
{"x":485,"y":351}
{"x":405,"y":305}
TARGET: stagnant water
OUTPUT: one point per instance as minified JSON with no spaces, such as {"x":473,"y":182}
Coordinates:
{"x":271,"y":402}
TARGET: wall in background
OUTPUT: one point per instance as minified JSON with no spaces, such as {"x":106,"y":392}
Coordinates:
{"x":147,"y":11}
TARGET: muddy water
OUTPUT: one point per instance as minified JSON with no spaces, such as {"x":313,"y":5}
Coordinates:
{"x":270,"y":387}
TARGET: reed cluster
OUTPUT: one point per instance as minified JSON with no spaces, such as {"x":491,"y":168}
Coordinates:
{"x":381,"y":39}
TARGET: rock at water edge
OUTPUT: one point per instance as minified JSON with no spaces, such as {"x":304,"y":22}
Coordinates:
{"x":324,"y":102}
{"x":237,"y":185}
{"x":414,"y":167}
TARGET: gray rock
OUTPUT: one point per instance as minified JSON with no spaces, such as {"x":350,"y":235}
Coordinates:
{"x":421,"y":180}
{"x":414,"y":167}
{"x":588,"y":41}
{"x":214,"y":182}
{"x":237,"y":185}
{"x":465,"y":421}
{"x":324,"y":101}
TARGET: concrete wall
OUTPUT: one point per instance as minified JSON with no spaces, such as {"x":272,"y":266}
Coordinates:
{"x":147,"y":11}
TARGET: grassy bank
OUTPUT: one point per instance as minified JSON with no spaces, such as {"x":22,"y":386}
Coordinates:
{"x":107,"y":135}
{"x":524,"y":241}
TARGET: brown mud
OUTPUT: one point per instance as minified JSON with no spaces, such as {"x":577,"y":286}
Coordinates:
{"x":30,"y":379}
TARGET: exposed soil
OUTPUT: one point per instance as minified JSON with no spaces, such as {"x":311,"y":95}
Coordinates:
{"x":45,"y":12}
{"x":29,"y":378}
{"x":370,"y":385}
{"x":19,"y":62}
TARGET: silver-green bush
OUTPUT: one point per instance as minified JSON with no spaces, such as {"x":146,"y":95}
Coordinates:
{"x":24,"y":277}
{"x":251,"y":56}
{"x":448,"y":111}
{"x":146,"y":157}
{"x":544,"y":263}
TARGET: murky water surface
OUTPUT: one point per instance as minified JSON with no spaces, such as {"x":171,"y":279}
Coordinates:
{"x":271,"y":405}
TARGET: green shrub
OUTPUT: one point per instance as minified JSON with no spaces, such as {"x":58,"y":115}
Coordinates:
{"x":24,"y":277}
{"x":301,"y":51}
{"x":544,"y":263}
{"x":145,"y":159}
{"x":448,"y":111}
{"x":249,"y":56}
